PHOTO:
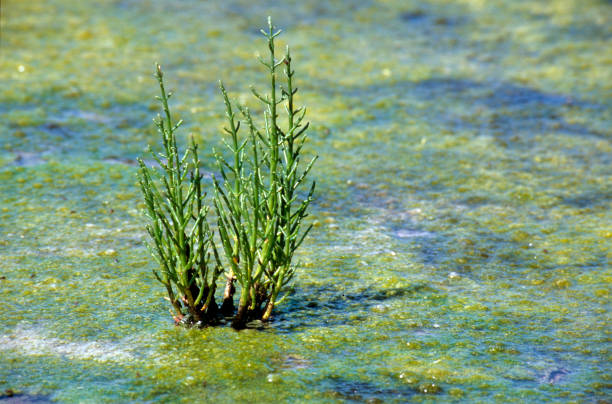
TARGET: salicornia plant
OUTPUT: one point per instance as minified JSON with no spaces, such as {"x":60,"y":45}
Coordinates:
{"x":260,"y":199}
{"x":181,"y":237}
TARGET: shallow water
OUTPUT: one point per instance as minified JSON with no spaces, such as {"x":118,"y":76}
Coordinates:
{"x":463,"y":215}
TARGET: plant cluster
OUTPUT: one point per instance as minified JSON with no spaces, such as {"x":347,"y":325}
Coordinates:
{"x":260,"y":198}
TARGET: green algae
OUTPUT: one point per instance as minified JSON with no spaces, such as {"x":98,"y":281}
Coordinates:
{"x":463,"y":219}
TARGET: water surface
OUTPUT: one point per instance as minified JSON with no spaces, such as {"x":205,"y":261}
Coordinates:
{"x":463,"y":215}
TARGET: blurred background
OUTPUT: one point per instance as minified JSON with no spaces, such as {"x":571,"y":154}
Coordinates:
{"x":461,"y":248}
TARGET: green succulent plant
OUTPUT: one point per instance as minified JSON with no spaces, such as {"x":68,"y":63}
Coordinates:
{"x":261,"y":198}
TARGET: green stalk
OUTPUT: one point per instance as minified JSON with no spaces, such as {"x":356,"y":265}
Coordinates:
{"x":255,"y":198}
{"x":179,"y":231}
